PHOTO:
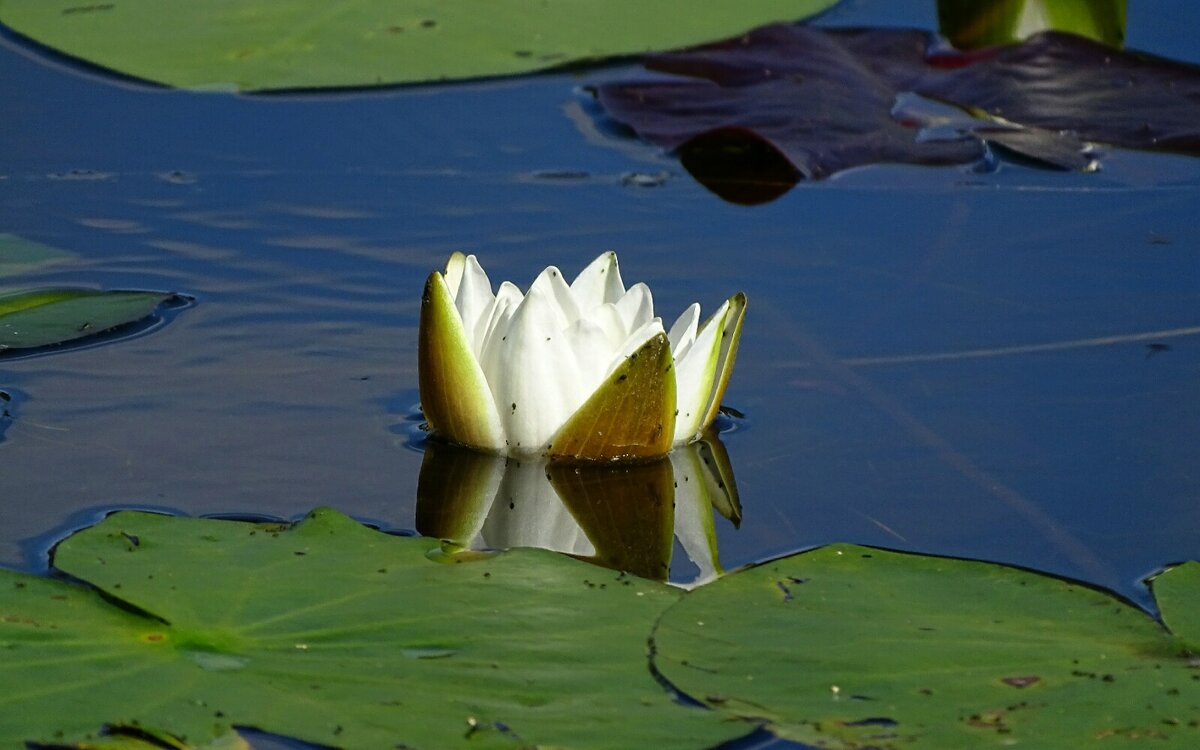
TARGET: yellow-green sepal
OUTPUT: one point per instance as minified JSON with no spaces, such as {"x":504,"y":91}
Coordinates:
{"x":631,"y":415}
{"x":731,"y":335}
{"x":455,"y":396}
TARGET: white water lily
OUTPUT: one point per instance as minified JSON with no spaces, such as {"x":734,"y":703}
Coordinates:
{"x":582,"y":370}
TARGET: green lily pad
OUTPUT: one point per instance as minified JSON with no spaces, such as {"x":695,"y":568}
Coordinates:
{"x":335,"y":634}
{"x":257,"y":45}
{"x":1178,"y":593}
{"x":43,"y":317}
{"x":851,"y":647}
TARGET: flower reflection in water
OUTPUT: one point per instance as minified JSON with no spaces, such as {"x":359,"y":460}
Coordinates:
{"x":623,"y":516}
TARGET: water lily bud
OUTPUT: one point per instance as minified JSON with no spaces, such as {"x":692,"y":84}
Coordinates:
{"x":579,"y":371}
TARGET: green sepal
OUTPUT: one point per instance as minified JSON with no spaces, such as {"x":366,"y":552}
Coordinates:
{"x":631,"y":415}
{"x":730,"y":337}
{"x":455,"y":396}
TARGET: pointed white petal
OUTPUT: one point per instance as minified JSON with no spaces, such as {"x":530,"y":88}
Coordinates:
{"x":694,"y":374}
{"x":474,"y":299}
{"x":551,"y":283}
{"x":454,"y":271}
{"x":599,"y":283}
{"x":637,"y":339}
{"x":636,"y":308}
{"x":534,"y":377}
{"x":595,"y":353}
{"x":609,"y":320}
{"x":683,"y":332}
{"x":494,"y":322}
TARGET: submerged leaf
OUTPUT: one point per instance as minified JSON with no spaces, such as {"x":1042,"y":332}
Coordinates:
{"x":855,"y":647}
{"x":43,"y":317}
{"x":817,"y":101}
{"x":334,"y":634}
{"x":234,"y":44}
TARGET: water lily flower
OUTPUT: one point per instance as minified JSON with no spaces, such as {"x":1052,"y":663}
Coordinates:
{"x":581,"y":371}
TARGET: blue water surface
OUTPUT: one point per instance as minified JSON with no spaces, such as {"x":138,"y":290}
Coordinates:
{"x":1001,"y":365}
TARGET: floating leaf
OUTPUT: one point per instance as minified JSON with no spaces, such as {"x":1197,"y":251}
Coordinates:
{"x":335,"y":634}
{"x":51,"y":316}
{"x":785,"y":102}
{"x":854,"y":647}
{"x":233,"y":44}
{"x":1178,"y":593}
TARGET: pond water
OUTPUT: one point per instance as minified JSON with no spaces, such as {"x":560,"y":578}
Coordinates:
{"x":1000,"y":365}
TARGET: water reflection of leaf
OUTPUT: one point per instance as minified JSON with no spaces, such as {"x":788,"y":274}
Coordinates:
{"x":19,"y":255}
{"x":621,"y":516}
{"x":806,"y":102}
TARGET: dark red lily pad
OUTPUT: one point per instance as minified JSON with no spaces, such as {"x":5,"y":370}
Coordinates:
{"x":822,"y":99}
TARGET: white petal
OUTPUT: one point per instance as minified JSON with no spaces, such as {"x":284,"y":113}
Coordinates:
{"x":552,"y":284}
{"x":595,"y":352}
{"x":636,"y":308}
{"x":683,"y":332}
{"x":454,"y":271}
{"x":473,"y":300}
{"x":496,"y":317}
{"x":599,"y":283}
{"x":635,"y":340}
{"x":609,"y":320}
{"x":694,"y":374}
{"x":533,"y":377}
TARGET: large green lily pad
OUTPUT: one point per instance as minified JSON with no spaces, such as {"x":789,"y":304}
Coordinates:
{"x":42,"y":317}
{"x":265,"y":44}
{"x":335,"y":634}
{"x":1178,"y":593}
{"x":851,"y":647}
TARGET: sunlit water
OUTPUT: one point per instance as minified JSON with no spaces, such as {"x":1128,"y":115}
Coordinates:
{"x":997,"y":365}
